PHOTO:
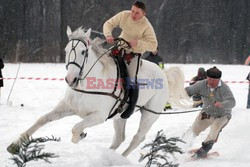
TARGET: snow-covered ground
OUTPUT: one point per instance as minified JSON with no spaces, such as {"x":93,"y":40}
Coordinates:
{"x":40,"y":96}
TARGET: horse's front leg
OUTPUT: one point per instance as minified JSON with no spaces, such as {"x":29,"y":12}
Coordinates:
{"x":119,"y":136}
{"x":60,"y":111}
{"x":90,"y":120}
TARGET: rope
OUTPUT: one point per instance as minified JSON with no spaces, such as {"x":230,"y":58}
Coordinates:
{"x":178,"y":112}
{"x":14,"y":82}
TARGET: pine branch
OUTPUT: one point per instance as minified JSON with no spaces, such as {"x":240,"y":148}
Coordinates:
{"x":30,"y":149}
{"x":160,"y":149}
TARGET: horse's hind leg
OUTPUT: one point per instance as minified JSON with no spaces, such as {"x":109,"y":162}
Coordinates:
{"x":147,"y":120}
{"x":119,"y":136}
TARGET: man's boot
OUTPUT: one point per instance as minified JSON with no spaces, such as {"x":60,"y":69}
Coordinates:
{"x":133,"y":97}
{"x":202,"y":152}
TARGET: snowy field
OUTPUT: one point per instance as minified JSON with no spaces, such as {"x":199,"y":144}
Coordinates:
{"x":40,"y":96}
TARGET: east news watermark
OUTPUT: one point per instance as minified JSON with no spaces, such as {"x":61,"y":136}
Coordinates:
{"x":98,"y":83}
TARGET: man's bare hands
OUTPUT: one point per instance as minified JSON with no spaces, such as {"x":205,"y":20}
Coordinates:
{"x":218,"y":104}
{"x":110,"y":39}
{"x":133,"y":43}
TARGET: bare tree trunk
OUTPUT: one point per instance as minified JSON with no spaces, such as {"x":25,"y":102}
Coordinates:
{"x":21,"y":51}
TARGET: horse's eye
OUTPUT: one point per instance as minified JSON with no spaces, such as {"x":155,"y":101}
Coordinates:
{"x":83,"y":52}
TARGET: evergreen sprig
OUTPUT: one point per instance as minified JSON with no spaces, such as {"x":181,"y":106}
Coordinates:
{"x":30,"y":149}
{"x":160,"y":149}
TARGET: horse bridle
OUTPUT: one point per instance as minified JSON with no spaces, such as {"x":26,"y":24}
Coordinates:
{"x":86,"y":54}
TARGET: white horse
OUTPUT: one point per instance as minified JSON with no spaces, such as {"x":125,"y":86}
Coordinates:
{"x":92,"y":72}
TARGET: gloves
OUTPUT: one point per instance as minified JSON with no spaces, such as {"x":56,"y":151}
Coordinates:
{"x":204,"y":116}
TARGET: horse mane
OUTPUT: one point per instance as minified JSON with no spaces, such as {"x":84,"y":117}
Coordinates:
{"x":79,"y":33}
{"x":96,"y":46}
{"x":99,"y":51}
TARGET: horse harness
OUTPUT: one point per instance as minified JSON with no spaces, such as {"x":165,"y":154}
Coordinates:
{"x":121,"y":74}
{"x":73,"y":49}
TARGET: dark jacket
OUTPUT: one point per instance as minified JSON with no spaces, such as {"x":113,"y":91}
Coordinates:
{"x":154,"y":58}
{"x":1,"y":76}
{"x":201,"y":75}
{"x":248,"y":76}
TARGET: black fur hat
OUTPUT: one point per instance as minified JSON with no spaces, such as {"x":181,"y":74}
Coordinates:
{"x":214,"y":73}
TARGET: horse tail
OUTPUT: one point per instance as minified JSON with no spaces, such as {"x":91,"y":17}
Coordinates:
{"x":177,"y":93}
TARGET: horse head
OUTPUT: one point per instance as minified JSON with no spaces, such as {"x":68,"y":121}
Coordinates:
{"x":77,"y":53}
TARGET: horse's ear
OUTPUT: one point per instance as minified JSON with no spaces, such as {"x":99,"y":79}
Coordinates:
{"x":88,"y":32}
{"x":69,"y":32}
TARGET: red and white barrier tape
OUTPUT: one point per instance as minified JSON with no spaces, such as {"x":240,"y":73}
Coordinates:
{"x":34,"y":78}
{"x":62,"y":79}
{"x":229,"y":81}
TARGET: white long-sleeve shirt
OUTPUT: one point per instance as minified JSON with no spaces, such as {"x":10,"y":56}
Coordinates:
{"x":140,"y":30}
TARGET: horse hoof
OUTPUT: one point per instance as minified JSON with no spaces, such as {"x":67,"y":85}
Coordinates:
{"x":13,"y":148}
{"x":76,"y":139}
{"x":83,"y":135}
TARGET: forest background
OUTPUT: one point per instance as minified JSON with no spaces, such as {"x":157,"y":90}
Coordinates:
{"x":188,"y":31}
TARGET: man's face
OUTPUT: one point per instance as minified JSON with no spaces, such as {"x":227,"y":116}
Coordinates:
{"x":213,"y":82}
{"x":136,"y":13}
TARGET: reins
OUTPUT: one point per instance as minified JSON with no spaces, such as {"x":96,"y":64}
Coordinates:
{"x":97,"y":93}
{"x":95,"y":63}
{"x":109,"y":49}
